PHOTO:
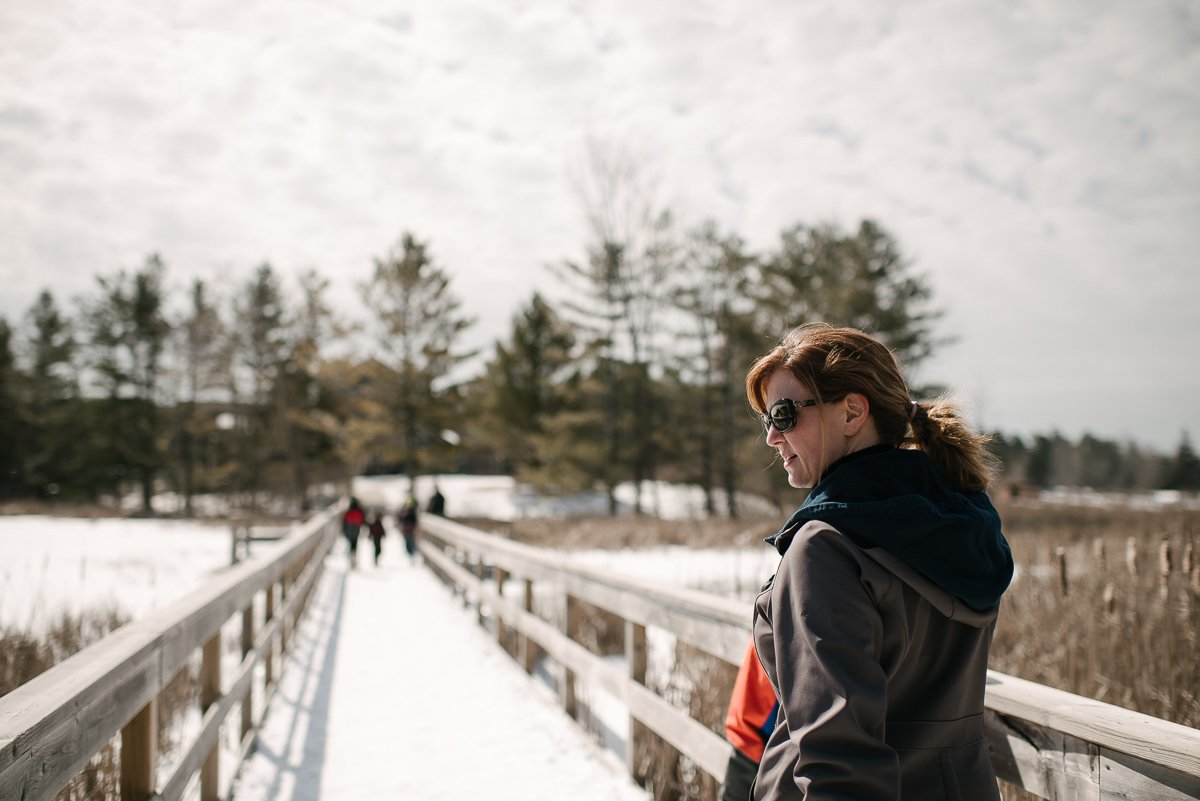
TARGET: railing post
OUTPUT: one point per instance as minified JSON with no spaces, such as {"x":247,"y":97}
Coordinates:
{"x":247,"y":647}
{"x":480,"y":572}
{"x":139,"y":754}
{"x":268,"y":616}
{"x":571,"y":629}
{"x":528,"y":652}
{"x":501,"y":577}
{"x":635,"y":655}
{"x":210,"y":693}
{"x":285,"y":591}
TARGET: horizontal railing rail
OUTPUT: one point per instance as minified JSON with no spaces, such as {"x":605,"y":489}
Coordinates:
{"x":54,"y":724}
{"x":1051,"y":743}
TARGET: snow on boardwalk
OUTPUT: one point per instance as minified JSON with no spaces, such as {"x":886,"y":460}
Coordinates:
{"x":393,"y":691}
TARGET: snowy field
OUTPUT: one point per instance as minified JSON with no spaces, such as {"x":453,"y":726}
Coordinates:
{"x":501,"y":498}
{"x":53,"y":566}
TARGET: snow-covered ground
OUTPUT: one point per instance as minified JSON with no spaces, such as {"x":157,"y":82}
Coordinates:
{"x":52,"y":566}
{"x":501,"y":498}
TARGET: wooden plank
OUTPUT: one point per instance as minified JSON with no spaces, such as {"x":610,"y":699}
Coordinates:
{"x":707,"y":749}
{"x":210,"y":694}
{"x":1111,"y":727}
{"x":636,"y":653}
{"x":139,"y":754}
{"x":1124,"y":777}
{"x":50,"y":729}
{"x":247,"y":647}
{"x":715,"y":625}
{"x":528,"y":647}
{"x":205,"y":744}
{"x":268,"y":620}
{"x":571,"y":631}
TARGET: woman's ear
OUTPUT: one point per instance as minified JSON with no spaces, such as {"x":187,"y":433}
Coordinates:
{"x":857,"y":410}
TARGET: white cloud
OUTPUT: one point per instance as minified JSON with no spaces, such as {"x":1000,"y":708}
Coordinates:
{"x":1038,"y":162}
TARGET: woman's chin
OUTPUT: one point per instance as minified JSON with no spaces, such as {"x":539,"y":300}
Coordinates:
{"x":798,"y":478}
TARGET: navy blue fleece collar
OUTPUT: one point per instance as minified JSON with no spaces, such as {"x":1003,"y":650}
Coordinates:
{"x":895,"y":499}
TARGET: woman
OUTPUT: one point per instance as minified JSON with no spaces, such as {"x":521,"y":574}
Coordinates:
{"x":875,"y":630}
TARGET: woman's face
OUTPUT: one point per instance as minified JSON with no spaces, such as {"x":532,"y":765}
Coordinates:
{"x":815,"y":442}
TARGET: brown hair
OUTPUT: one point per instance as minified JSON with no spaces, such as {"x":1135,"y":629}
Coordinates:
{"x":834,"y":362}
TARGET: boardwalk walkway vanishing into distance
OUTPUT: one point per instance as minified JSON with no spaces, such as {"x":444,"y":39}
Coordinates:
{"x":391,"y":692}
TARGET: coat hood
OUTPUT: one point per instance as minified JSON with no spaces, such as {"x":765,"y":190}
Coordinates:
{"x":896,"y":500}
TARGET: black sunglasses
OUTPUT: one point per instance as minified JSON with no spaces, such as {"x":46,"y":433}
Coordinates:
{"x":782,"y":414}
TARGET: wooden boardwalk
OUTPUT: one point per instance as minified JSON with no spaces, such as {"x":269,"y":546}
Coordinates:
{"x":392,"y":691}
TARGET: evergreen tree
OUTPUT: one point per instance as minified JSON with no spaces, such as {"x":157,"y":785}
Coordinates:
{"x":56,"y":449}
{"x":204,"y":368}
{"x":714,"y":293}
{"x":11,"y":482}
{"x":858,"y":279}
{"x":521,"y":387}
{"x":261,"y":337}
{"x":1183,"y":471}
{"x":620,"y":295}
{"x":418,"y":324}
{"x":128,"y":335}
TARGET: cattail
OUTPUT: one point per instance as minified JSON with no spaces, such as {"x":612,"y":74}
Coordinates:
{"x":1189,"y":559}
{"x":1060,"y":554}
{"x":1110,"y":599}
{"x":1131,"y":555}
{"x":1164,"y":558}
{"x":1101,"y":557}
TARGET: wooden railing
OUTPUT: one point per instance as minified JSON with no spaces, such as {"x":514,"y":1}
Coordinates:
{"x":53,"y":725}
{"x":1052,"y":744}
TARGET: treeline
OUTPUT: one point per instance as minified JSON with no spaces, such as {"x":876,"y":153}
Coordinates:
{"x":261,"y":390}
{"x":1050,"y":460}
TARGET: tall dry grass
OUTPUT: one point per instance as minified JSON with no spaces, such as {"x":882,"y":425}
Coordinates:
{"x":1106,"y":605}
{"x":1123,"y":628}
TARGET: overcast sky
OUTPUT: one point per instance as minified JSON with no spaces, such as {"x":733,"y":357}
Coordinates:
{"x":1038,"y":162}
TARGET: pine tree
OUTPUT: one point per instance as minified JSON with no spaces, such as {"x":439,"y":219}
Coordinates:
{"x":418,"y":324}
{"x":522,"y":387}
{"x":1183,"y":472}
{"x":859,"y":279}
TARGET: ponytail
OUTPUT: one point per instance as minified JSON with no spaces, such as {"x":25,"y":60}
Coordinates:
{"x":960,"y":454}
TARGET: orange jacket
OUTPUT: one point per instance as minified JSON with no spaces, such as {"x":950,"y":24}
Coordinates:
{"x":752,"y":708}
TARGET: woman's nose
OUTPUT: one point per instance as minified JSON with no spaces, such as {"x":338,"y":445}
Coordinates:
{"x":772,"y":431}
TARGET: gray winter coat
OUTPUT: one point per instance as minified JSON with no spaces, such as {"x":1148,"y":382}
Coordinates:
{"x":880,"y":676}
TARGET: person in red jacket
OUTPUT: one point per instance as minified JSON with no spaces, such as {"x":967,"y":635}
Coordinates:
{"x":748,"y":724}
{"x":352,"y":521}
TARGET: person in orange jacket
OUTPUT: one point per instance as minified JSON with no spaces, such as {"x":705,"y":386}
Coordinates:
{"x":748,"y":724}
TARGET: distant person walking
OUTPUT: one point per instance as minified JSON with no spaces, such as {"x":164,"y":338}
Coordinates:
{"x":437,"y":502}
{"x":407,"y":518}
{"x":352,"y":521}
{"x":376,"y":532}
